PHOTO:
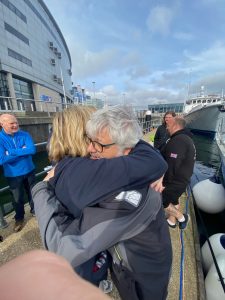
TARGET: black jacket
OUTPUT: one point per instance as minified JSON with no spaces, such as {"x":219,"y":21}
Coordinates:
{"x":180,"y":154}
{"x":80,"y":182}
{"x":161,"y":136}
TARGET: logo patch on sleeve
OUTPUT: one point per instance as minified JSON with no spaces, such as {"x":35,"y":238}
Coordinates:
{"x":132,"y":197}
{"x":173,"y":155}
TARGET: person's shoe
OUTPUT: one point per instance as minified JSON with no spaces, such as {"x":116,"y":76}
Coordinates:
{"x":183,"y":225}
{"x":171,"y":225}
{"x":106,"y":286}
{"x":18,"y":225}
{"x":32,"y":213}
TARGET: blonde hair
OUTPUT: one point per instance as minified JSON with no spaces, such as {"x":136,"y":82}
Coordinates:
{"x":68,"y":134}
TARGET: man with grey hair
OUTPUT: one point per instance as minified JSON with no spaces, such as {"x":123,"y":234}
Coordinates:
{"x":107,"y":204}
{"x":16,"y":150}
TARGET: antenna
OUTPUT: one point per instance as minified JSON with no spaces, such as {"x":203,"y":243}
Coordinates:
{"x":189,"y":83}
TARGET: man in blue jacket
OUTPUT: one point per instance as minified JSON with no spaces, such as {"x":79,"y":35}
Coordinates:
{"x":16,"y":150}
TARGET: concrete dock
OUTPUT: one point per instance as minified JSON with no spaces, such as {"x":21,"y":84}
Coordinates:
{"x":192,"y":283}
{"x":185,"y":283}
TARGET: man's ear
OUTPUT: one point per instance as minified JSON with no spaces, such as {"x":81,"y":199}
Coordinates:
{"x":126,"y":151}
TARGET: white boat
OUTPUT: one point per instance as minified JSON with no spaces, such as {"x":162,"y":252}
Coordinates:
{"x":220,"y":140}
{"x":204,"y":112}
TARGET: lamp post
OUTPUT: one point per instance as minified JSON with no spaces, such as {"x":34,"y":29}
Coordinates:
{"x":64,"y":93}
{"x":93,"y":82}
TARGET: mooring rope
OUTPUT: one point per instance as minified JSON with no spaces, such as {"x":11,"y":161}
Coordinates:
{"x":181,"y":286}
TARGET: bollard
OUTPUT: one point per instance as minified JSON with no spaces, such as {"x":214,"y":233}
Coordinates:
{"x":148,"y":118}
{"x":3,"y":223}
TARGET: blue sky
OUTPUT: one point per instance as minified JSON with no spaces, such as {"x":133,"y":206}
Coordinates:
{"x":144,"y":51}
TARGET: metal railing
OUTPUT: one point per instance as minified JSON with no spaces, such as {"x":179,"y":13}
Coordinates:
{"x":37,"y":175}
{"x":3,"y":223}
{"x":15,"y":105}
{"x":32,"y":105}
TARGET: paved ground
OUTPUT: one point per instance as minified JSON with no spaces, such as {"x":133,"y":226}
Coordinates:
{"x":28,"y":238}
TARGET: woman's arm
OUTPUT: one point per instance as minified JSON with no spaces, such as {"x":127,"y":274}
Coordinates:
{"x":81,"y":182}
{"x":96,"y":230}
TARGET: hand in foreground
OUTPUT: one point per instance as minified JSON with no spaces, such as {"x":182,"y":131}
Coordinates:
{"x":158,"y":185}
{"x":50,"y":174}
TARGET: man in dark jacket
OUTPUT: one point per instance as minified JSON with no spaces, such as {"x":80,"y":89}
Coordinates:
{"x":179,"y":153}
{"x":16,"y":150}
{"x":162,"y":134}
{"x":123,"y":215}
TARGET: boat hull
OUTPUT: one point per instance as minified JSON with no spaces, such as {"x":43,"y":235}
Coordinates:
{"x":220,"y":139}
{"x":204,"y":120}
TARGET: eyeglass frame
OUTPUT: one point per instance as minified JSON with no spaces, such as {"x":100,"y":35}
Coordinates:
{"x":99,"y":144}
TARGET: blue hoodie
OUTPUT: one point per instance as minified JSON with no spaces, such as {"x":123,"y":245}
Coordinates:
{"x":16,"y":153}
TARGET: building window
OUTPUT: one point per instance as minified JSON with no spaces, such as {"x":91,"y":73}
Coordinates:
{"x":19,"y":57}
{"x":4,"y":92}
{"x":19,"y":35}
{"x":15,"y":10}
{"x":24,"y":94}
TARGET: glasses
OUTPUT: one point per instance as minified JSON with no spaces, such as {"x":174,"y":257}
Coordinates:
{"x":98,"y":146}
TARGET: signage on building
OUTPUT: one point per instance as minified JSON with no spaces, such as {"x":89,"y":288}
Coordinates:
{"x":45,"y":98}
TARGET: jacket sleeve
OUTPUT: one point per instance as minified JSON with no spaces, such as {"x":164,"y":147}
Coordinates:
{"x":28,"y":148}
{"x":157,"y":138}
{"x":5,"y":156}
{"x":12,"y":155}
{"x":75,"y":239}
{"x":84,"y":182}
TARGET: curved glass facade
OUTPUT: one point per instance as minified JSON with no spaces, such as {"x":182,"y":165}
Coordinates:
{"x":33,"y":52}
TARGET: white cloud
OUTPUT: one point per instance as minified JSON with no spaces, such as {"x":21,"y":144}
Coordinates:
{"x":88,"y":63}
{"x":208,"y":60}
{"x":185,"y":36}
{"x":138,"y":72}
{"x":109,"y":44}
{"x":159,"y":20}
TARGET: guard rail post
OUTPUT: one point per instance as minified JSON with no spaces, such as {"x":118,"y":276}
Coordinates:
{"x":3,"y":223}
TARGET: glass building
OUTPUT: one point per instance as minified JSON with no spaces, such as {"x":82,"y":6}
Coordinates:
{"x":35,"y":62}
{"x":162,"y":108}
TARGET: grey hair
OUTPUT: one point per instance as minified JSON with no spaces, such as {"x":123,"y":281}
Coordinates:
{"x":121,"y":123}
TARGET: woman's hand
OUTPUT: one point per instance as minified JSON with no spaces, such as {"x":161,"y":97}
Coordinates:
{"x":50,"y":174}
{"x":158,"y":185}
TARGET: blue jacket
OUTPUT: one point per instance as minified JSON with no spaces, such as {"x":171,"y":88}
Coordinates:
{"x":16,"y":153}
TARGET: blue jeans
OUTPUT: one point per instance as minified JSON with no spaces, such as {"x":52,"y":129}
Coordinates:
{"x":17,"y":186}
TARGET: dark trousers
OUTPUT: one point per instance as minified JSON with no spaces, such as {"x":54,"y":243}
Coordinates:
{"x":17,"y":186}
{"x":149,"y":279}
